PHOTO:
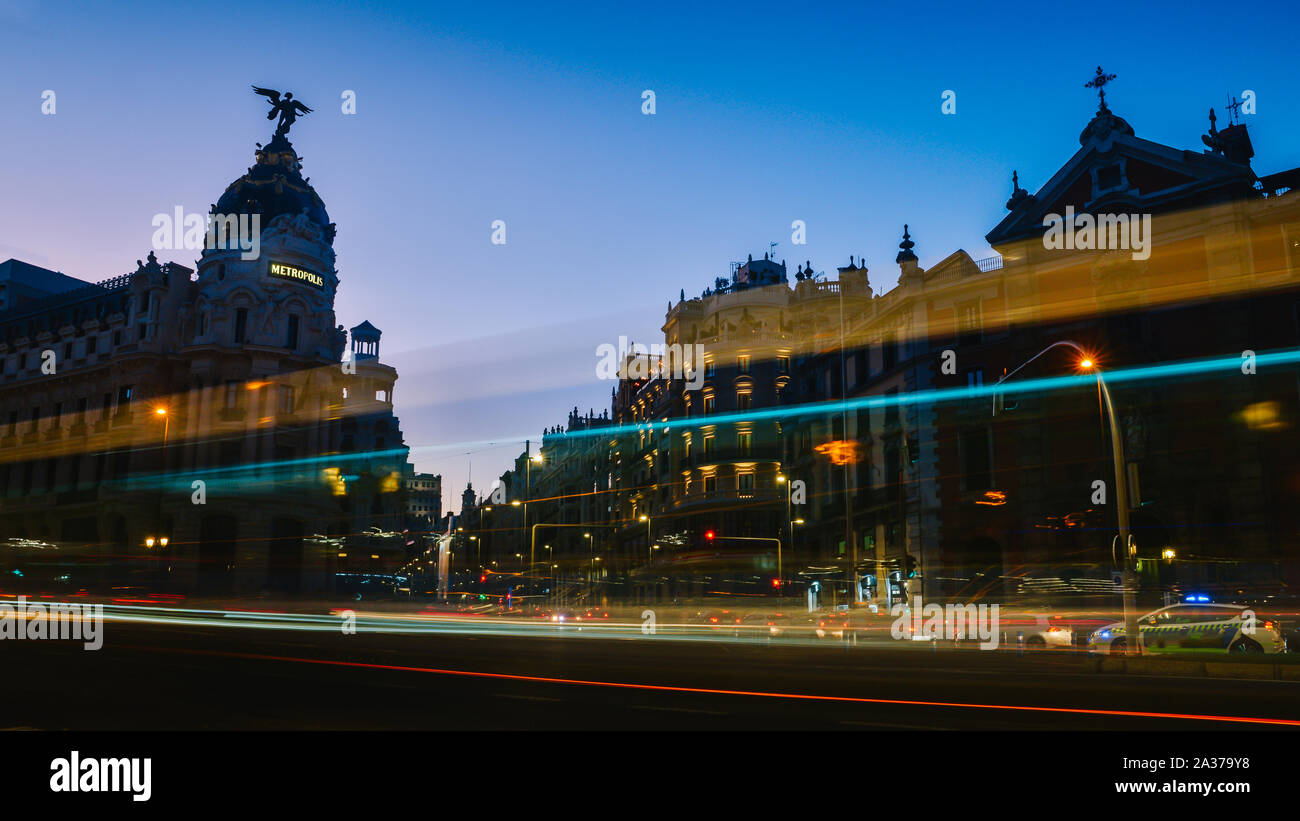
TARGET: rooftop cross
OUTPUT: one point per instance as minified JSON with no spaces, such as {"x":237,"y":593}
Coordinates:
{"x":1099,"y":82}
{"x":1234,"y":109}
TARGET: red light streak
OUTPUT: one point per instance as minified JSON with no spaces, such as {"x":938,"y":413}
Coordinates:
{"x":1284,"y":722}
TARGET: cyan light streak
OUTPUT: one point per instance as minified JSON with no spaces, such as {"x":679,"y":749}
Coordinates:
{"x":246,"y":475}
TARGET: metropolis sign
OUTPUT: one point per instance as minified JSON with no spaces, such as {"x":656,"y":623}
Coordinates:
{"x":280,"y":269}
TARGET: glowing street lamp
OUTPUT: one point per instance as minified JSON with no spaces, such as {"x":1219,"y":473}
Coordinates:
{"x":1127,"y":547}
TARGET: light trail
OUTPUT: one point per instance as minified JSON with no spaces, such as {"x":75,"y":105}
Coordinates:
{"x":1140,"y":374}
{"x":1279,"y":722}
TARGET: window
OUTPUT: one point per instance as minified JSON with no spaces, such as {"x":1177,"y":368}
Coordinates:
{"x":742,"y":363}
{"x":975,"y":379}
{"x":142,"y":332}
{"x":286,"y":399}
{"x":743,"y":441}
{"x":745,"y":482}
{"x":36,"y":418}
{"x":893,"y":472}
{"x":292,"y":343}
{"x":1108,"y":177}
{"x":976,"y":468}
{"x":708,"y":403}
{"x":743,"y":400}
{"x":241,"y":326}
{"x":891,"y":406}
{"x":90,"y":344}
{"x":708,"y":445}
{"x":710,"y":484}
{"x":709,"y":369}
{"x":969,"y":331}
{"x":783,"y":364}
{"x":124,"y":396}
{"x":232,"y":395}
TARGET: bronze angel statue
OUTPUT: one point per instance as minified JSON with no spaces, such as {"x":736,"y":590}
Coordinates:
{"x":288,"y":108}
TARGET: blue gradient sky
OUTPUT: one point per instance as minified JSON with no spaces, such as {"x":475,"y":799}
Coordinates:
{"x":766,"y":113}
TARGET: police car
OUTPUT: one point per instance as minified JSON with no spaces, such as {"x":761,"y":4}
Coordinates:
{"x":1200,"y":626}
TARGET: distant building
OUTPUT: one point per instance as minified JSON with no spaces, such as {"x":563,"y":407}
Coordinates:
{"x":22,"y":283}
{"x":423,"y":499}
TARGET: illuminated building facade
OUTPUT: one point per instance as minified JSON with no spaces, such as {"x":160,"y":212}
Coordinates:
{"x":925,"y":467}
{"x":209,"y":408}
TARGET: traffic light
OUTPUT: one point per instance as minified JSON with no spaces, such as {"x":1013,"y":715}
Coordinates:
{"x":776,"y":582}
{"x":708,"y":534}
{"x":909,"y":566}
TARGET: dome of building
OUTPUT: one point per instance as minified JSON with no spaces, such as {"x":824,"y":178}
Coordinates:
{"x":275,"y":186}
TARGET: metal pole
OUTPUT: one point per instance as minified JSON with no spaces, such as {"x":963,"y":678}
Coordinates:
{"x":528,"y":473}
{"x":850,"y":541}
{"x":1121,"y":490}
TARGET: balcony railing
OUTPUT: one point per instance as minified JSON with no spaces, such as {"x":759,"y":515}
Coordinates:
{"x":699,"y":496}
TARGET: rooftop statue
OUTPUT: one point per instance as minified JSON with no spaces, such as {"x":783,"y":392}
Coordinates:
{"x":288,"y":108}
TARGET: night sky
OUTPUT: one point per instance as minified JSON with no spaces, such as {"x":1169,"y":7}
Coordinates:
{"x":766,"y":113}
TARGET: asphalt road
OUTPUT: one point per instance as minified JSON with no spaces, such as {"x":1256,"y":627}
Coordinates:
{"x":182,"y":677}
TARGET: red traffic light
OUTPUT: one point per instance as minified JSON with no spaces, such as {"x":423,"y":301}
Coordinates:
{"x":776,"y":582}
{"x":708,"y":534}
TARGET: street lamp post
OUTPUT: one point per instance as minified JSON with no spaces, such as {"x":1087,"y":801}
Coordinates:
{"x":1127,"y":547}
{"x":486,"y":509}
{"x":162,"y":479}
{"x":649,"y":540}
{"x":789,"y":524}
